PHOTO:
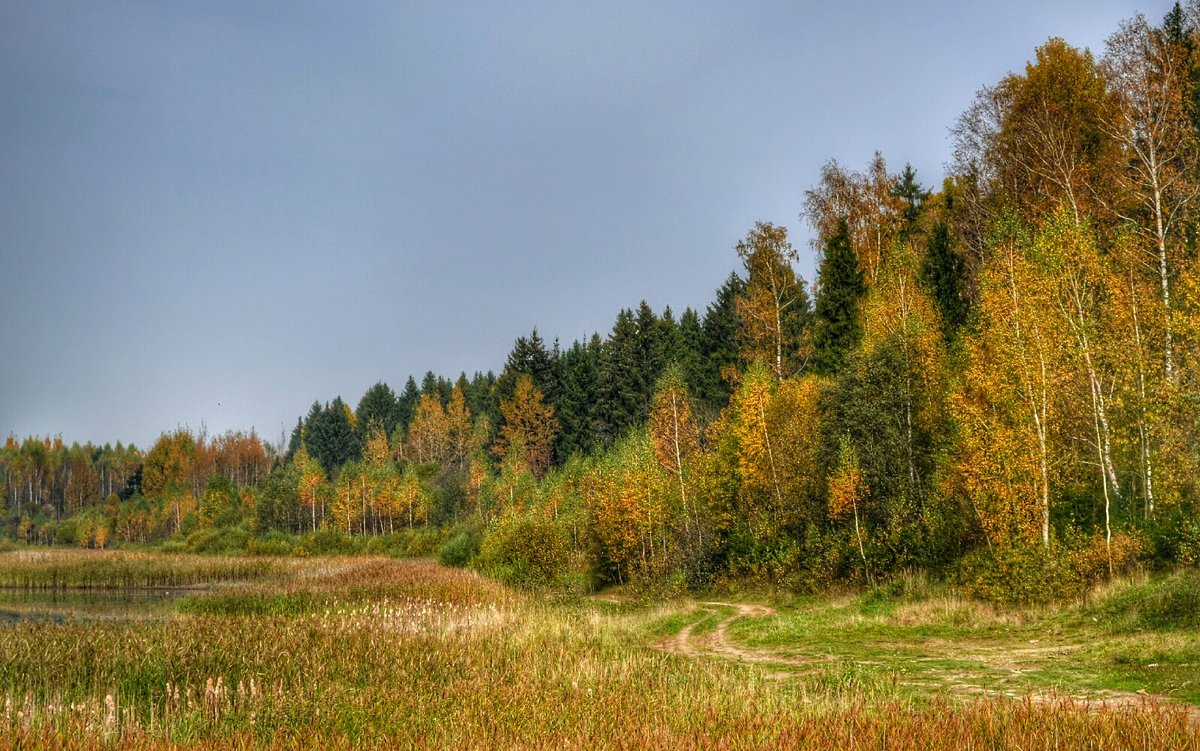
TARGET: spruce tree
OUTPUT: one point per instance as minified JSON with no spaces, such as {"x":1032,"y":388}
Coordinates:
{"x":408,"y":403}
{"x":578,"y":395}
{"x":652,"y":342}
{"x":944,"y":273}
{"x":838,"y":327}
{"x":913,"y":195}
{"x":329,"y":436}
{"x":719,"y":344}
{"x":377,"y":408}
{"x":623,"y":386}
{"x":529,"y":356}
{"x":689,"y":356}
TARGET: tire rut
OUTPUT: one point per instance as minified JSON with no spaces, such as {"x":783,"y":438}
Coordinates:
{"x":717,"y":644}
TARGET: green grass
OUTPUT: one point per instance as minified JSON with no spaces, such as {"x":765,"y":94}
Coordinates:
{"x":1136,"y":638}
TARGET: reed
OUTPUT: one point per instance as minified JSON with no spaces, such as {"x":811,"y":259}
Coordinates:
{"x":103,"y":569}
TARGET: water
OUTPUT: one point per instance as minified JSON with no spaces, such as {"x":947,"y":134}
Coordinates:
{"x":62,"y":605}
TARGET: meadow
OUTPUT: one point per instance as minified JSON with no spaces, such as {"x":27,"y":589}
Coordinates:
{"x":375,"y":652}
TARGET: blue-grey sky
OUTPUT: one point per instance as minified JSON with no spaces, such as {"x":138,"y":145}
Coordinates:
{"x":216,"y":212}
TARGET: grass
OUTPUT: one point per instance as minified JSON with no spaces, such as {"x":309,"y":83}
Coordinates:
{"x":1138,"y":637}
{"x":377,"y":653}
{"x":102,"y":569}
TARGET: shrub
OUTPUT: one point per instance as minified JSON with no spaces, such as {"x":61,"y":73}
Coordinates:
{"x":67,"y":532}
{"x":272,"y":543}
{"x":525,"y":550}
{"x":1026,"y":573}
{"x":328,"y":542}
{"x":461,"y":545}
{"x":227,"y":540}
{"x":1163,"y":605}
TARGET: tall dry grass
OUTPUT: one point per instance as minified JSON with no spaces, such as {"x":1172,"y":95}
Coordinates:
{"x":392,"y":654}
{"x":105,"y":569}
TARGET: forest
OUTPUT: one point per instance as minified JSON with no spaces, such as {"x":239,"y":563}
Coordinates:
{"x":994,"y":381}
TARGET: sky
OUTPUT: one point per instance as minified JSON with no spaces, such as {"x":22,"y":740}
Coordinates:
{"x":214,"y":213}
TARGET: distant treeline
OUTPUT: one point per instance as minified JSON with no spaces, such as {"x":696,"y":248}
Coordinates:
{"x":997,"y":381}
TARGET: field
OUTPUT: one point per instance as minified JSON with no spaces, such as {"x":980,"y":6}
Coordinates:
{"x":370,"y":652}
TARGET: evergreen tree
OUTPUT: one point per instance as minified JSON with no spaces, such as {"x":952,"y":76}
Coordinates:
{"x":838,"y":327}
{"x":719,"y":344}
{"x":481,"y":397}
{"x":944,"y":272}
{"x":330,"y":437}
{"x":623,"y":384}
{"x":689,"y":355}
{"x":377,"y":408}
{"x":296,"y":440}
{"x":913,"y":195}
{"x":408,"y":403}
{"x":578,"y":397}
{"x":430,"y":385}
{"x":671,"y":336}
{"x":652,"y":342}
{"x":529,"y":356}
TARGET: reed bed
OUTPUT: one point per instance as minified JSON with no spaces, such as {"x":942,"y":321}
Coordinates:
{"x":410,"y":655}
{"x":103,"y":569}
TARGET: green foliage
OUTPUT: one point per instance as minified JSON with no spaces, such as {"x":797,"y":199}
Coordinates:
{"x":945,"y":275}
{"x":447,"y":497}
{"x":327,"y":542}
{"x":379,"y":407}
{"x":222,"y":540}
{"x":624,"y":395}
{"x":1017,"y":574}
{"x":838,"y":328}
{"x":282,"y":604}
{"x":525,"y":551}
{"x":462,"y":545}
{"x":579,"y":393}
{"x":1170,"y":603}
{"x":273,"y":543}
{"x":329,"y":435}
{"x":720,"y":345}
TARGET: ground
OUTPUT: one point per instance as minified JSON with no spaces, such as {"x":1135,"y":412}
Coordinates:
{"x":380,"y":653}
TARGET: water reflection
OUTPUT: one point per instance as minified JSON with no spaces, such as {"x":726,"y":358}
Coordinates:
{"x":61,"y":605}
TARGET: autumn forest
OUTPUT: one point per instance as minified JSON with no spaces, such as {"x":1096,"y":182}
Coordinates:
{"x":994,"y":380}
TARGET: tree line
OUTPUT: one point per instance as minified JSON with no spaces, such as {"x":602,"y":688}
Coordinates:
{"x":997,"y":381}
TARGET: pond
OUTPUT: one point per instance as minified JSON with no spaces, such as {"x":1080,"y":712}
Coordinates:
{"x":62,"y":605}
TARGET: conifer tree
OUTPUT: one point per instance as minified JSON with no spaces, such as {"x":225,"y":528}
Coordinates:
{"x":622,"y":382}
{"x":944,"y":273}
{"x":408,"y":402}
{"x":378,"y":407}
{"x":720,"y":344}
{"x":841,"y":290}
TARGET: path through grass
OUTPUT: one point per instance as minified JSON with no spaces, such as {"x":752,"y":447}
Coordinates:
{"x":378,"y":653}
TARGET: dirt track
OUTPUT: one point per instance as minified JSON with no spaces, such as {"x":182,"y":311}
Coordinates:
{"x":717,"y":644}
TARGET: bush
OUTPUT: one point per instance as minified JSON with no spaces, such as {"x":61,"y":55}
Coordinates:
{"x":423,"y":542}
{"x":1027,"y":574}
{"x":1163,"y":605}
{"x":525,"y":551}
{"x":272,"y":543}
{"x":230,"y":540}
{"x":328,"y":542}
{"x":67,"y":532}
{"x":461,"y":545}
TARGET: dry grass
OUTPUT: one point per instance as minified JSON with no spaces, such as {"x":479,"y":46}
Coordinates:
{"x":103,"y":569}
{"x":393,"y":654}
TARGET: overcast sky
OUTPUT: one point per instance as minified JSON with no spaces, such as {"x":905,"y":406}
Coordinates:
{"x":216,"y":212}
